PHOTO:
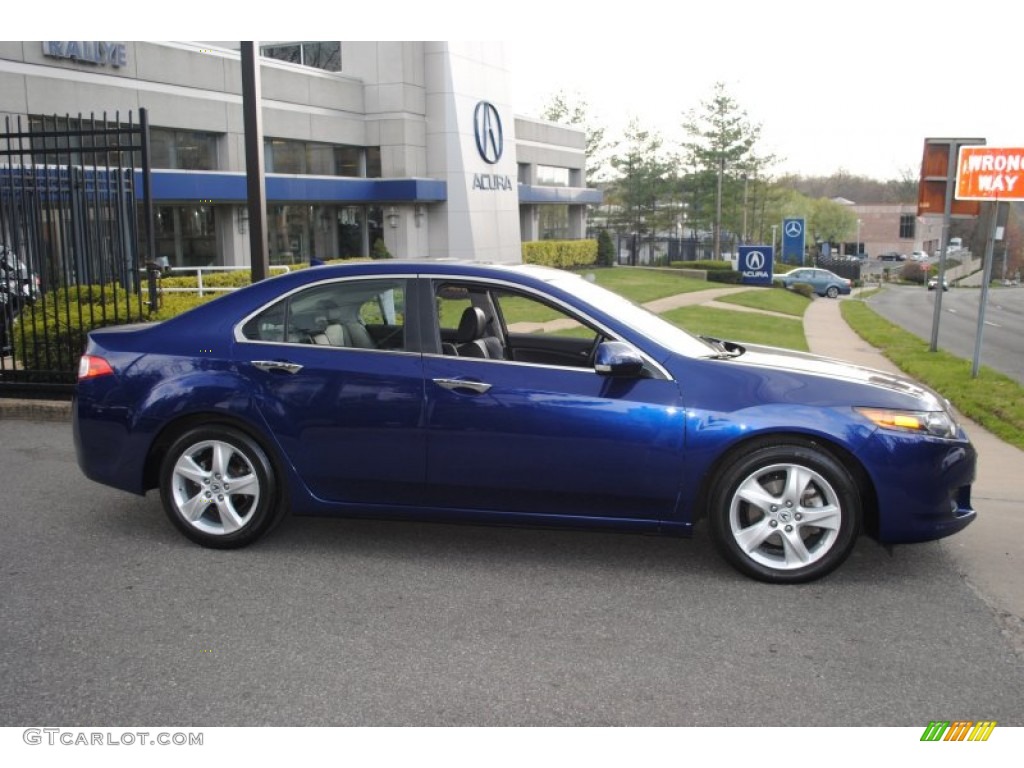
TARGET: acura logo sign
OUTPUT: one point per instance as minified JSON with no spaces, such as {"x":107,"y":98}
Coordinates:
{"x":755,"y":260}
{"x":490,"y":138}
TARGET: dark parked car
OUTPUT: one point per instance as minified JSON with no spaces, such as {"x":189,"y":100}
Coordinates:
{"x":19,"y":286}
{"x":512,"y":395}
{"x":892,"y":256}
{"x":822,"y":281}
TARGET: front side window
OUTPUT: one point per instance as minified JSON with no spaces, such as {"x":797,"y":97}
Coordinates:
{"x":357,"y":314}
{"x":476,"y":321}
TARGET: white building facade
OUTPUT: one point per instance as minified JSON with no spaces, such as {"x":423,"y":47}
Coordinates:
{"x":414,"y":144}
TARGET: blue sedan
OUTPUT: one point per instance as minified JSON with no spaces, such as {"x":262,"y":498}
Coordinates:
{"x":822,"y":281}
{"x":512,"y":395}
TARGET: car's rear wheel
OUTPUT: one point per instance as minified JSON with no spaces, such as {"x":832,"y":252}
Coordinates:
{"x":785,"y":512}
{"x":219,"y":487}
{"x":832,"y":292}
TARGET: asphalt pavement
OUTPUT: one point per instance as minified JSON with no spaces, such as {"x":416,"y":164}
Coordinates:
{"x":990,"y":551}
{"x":110,"y":616}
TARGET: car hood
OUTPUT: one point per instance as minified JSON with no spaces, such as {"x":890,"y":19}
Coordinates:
{"x":777,"y":359}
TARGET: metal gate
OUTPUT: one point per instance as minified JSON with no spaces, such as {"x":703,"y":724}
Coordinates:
{"x":70,"y":237}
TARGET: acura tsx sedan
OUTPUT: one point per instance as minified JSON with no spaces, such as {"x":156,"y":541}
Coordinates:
{"x":513,"y":395}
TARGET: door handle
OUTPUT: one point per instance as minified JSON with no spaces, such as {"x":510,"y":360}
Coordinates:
{"x":277,"y":366}
{"x":455,"y":384}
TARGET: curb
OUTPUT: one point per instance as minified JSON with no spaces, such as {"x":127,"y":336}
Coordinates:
{"x":36,"y":410}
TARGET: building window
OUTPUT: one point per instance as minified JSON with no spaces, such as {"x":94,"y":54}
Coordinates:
{"x":185,"y":235}
{"x":373,"y":166}
{"x":324,"y":55}
{"x":549,"y":176}
{"x":183,"y":150}
{"x":69,"y":137}
{"x":302,"y":232}
{"x":907,"y":226}
{"x":310,"y":158}
{"x":554,"y":222}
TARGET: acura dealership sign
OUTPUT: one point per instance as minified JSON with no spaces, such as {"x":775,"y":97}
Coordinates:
{"x":755,"y":264}
{"x":490,"y":145}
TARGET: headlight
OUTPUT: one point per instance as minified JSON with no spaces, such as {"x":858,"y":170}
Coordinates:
{"x":936,"y":423}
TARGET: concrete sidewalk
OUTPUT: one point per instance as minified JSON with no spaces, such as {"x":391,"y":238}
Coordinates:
{"x":990,"y":551}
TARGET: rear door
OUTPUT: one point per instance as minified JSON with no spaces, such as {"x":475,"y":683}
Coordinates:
{"x":340,"y":384}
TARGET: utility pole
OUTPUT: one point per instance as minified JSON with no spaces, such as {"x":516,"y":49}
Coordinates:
{"x":254,"y":178}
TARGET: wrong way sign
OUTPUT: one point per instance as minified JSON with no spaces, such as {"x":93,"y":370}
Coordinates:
{"x":990,"y":173}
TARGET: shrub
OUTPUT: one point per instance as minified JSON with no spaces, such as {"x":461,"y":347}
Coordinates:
{"x":605,"y":249}
{"x":706,"y":264}
{"x":722,"y":276}
{"x":562,"y":254}
{"x":912,"y":273}
{"x":60,"y":321}
{"x":380,"y":250}
{"x":804,"y":289}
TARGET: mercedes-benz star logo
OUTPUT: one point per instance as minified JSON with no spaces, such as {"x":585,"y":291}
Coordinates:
{"x":490,"y":139}
{"x":794,"y":228}
{"x":755,"y":261}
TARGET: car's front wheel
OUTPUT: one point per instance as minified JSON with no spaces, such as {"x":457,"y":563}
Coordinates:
{"x":219,"y":487}
{"x":785,"y":512}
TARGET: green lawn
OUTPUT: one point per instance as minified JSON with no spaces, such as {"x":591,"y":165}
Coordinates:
{"x":993,"y":400}
{"x":643,"y":285}
{"x":770,"y":299}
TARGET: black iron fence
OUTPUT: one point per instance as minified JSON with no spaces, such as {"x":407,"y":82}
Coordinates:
{"x":70,"y":195}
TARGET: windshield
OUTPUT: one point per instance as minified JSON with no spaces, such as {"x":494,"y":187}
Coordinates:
{"x":636,"y":317}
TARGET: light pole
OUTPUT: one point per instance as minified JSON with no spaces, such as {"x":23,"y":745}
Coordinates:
{"x":857,"y":252}
{"x":774,"y":229}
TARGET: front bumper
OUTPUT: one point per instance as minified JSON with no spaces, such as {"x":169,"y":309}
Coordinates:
{"x":922,"y":484}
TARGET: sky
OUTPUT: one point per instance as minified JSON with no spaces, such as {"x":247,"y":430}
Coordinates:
{"x":856,"y":86}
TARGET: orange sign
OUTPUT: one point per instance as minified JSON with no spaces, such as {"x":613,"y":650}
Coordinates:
{"x":990,"y":173}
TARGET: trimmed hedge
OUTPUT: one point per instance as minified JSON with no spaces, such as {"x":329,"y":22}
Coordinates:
{"x":62,"y":320}
{"x":731,"y":276}
{"x":706,"y":264}
{"x":804,"y":289}
{"x":563,"y":254}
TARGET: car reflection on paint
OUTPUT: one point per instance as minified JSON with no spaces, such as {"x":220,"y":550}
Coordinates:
{"x":512,"y":395}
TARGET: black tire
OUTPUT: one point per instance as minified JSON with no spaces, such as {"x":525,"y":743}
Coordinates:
{"x":219,"y":488}
{"x":832,"y":292}
{"x":765,"y":505}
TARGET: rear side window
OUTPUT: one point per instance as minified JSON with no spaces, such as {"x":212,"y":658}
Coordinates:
{"x":358,"y":314}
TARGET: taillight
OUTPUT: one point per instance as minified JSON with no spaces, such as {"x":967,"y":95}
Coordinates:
{"x":90,"y":366}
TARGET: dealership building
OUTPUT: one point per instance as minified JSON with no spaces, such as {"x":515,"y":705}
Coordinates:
{"x":414,"y":144}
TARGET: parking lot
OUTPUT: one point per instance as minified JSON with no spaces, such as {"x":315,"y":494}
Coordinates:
{"x":110,"y":616}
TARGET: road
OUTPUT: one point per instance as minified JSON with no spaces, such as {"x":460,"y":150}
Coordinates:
{"x":111,"y":617}
{"x":1003,"y":339}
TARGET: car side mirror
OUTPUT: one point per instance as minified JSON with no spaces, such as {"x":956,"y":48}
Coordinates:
{"x":617,"y":358}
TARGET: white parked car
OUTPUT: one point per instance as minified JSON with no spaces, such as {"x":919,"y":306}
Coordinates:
{"x":919,"y":256}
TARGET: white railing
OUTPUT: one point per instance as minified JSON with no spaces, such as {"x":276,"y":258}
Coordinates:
{"x":198,"y":272}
